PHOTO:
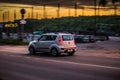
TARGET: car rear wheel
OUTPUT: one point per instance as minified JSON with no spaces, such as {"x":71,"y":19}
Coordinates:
{"x":54,"y":52}
{"x":31,"y":51}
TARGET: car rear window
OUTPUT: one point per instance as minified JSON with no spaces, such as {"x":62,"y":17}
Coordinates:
{"x":67,"y":37}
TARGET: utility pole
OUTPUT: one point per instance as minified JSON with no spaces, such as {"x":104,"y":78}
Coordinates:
{"x":95,"y":4}
{"x":58,"y":15}
{"x":8,"y":16}
{"x":1,"y":26}
{"x":75,"y":8}
{"x":28,"y":15}
{"x":44,"y":11}
{"x":33,"y":21}
{"x":75,"y":21}
{"x":36,"y":15}
{"x":3,"y":18}
{"x":58,"y":11}
{"x":115,"y":10}
{"x":32,"y":12}
{"x":69,"y":12}
{"x":14,"y":15}
{"x":82,"y":11}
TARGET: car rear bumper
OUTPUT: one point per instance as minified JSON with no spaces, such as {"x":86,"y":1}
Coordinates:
{"x":67,"y":50}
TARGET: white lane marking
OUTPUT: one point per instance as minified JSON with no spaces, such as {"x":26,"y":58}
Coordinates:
{"x":84,"y":64}
{"x":65,"y":62}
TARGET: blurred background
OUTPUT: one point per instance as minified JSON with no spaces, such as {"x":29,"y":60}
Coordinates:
{"x":73,"y":16}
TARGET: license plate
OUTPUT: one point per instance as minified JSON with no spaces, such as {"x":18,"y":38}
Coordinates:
{"x":70,"y":50}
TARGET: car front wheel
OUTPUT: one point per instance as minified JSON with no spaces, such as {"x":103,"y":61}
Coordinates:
{"x":31,"y":50}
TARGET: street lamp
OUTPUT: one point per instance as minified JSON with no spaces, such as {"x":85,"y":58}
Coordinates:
{"x":22,"y":11}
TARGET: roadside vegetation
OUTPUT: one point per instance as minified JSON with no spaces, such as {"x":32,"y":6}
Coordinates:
{"x":70,"y":24}
{"x":108,"y":24}
{"x":12,"y":42}
{"x":74,"y":24}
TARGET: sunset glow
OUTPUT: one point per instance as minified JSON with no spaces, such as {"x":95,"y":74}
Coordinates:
{"x":11,"y":10}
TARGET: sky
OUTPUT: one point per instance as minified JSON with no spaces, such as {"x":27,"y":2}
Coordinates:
{"x":49,"y":2}
{"x":10,"y":9}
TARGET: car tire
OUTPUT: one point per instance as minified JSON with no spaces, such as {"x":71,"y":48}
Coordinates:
{"x":54,"y":52}
{"x":31,"y":51}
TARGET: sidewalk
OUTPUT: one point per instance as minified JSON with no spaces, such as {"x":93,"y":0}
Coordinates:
{"x":110,"y":48}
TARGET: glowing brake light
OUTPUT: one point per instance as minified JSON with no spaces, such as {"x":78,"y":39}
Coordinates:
{"x":60,"y":40}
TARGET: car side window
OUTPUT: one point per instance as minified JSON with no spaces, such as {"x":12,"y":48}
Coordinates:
{"x":53,"y":37}
{"x":42,"y":38}
{"x":47,"y":38}
{"x":50,"y":37}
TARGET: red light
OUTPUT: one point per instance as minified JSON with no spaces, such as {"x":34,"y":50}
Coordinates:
{"x":60,"y":40}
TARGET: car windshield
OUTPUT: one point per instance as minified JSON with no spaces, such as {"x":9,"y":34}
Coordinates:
{"x":67,"y":37}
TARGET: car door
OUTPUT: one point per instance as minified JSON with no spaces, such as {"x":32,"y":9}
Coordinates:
{"x":40,"y":45}
{"x":50,"y":39}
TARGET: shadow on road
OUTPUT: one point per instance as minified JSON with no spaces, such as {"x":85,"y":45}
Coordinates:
{"x":1,"y":79}
{"x":45,"y":55}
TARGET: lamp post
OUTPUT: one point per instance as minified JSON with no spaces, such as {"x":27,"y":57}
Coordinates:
{"x":22,"y":22}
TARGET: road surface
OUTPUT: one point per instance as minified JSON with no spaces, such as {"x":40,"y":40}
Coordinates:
{"x":17,"y":64}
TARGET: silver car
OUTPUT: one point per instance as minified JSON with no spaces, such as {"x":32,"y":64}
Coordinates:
{"x":54,"y":43}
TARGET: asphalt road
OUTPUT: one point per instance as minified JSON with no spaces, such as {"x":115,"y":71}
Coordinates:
{"x":17,"y":64}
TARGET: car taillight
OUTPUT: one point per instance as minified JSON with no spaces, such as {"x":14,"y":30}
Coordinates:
{"x":60,"y":40}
